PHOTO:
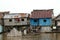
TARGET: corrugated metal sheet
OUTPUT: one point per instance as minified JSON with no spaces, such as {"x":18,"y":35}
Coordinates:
{"x":3,"y":13}
{"x":23,"y":14}
{"x":16,"y":15}
{"x":57,"y":17}
{"x":41,"y":13}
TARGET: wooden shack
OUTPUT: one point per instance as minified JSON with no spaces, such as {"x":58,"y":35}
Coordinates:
{"x":41,"y":17}
{"x":57,"y":22}
{"x":16,"y":20}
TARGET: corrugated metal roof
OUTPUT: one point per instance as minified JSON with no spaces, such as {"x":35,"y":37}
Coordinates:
{"x":3,"y":13}
{"x":41,"y":13}
{"x":16,"y":15}
{"x":23,"y":14}
{"x":57,"y":17}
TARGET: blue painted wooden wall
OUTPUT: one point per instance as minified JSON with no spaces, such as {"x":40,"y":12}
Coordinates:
{"x":34,"y":23}
{"x":47,"y":21}
{"x":41,"y":22}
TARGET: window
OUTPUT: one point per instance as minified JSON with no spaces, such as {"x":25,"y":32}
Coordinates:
{"x":22,"y":19}
{"x":10,"y":20}
{"x":44,"y":20}
{"x":35,"y":20}
{"x":17,"y":19}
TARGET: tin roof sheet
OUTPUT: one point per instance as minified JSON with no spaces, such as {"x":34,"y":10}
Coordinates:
{"x":41,"y":13}
{"x":16,"y":15}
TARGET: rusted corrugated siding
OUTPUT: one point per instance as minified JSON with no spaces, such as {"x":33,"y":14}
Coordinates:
{"x":23,"y":14}
{"x":41,"y":13}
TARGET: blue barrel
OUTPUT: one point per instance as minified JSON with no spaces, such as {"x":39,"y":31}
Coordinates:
{"x":1,"y":28}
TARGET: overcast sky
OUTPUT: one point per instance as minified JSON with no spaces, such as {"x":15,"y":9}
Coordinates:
{"x":28,"y":5}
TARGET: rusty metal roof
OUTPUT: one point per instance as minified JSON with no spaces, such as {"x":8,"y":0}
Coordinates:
{"x":23,"y":14}
{"x":16,"y":15}
{"x":41,"y":13}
